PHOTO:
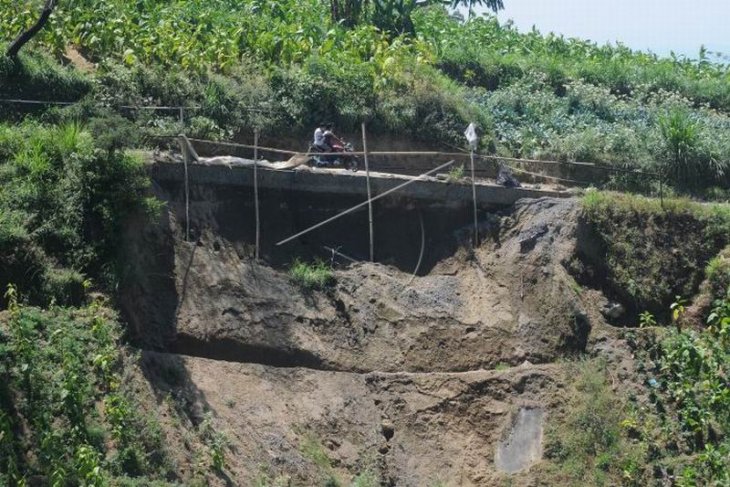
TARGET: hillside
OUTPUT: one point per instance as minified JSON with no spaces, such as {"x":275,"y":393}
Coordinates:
{"x":284,"y":67}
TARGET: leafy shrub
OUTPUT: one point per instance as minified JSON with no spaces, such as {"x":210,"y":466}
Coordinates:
{"x":691,"y":404}
{"x":56,"y":366}
{"x":311,"y":276}
{"x":718,"y":273}
{"x":63,"y":204}
{"x":112,"y":132}
{"x":456,"y":174}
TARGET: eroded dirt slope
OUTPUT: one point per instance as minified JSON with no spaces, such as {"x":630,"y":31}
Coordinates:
{"x":415,"y":381}
{"x":509,"y":301}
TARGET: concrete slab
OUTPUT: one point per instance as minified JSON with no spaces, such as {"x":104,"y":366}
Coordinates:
{"x":335,"y":181}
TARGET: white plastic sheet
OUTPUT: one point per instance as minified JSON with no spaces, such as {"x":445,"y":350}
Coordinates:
{"x":471,"y":136}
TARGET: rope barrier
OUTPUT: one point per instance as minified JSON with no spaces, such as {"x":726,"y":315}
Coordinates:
{"x":438,"y":154}
{"x":246,"y":146}
{"x":462,"y":154}
{"x":36,"y":102}
{"x":363,"y":204}
{"x":18,"y":101}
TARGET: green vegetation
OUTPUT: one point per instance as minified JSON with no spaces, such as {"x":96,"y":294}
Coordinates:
{"x":284,"y":66}
{"x":456,"y":174}
{"x":588,"y":447}
{"x":654,"y":253}
{"x":313,"y":450}
{"x":718,"y":273}
{"x":39,"y":77}
{"x":63,"y":204}
{"x":679,"y":425}
{"x":676,"y":427}
{"x":216,"y":441}
{"x":311,"y":276}
{"x":67,"y":186}
{"x":366,"y":479}
{"x":686,"y":420}
{"x":67,"y":415}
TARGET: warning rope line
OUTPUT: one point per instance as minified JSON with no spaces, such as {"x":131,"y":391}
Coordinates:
{"x":180,"y":108}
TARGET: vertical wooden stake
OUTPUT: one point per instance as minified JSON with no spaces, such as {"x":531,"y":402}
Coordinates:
{"x":474,"y":194}
{"x":370,"y":202}
{"x":661,"y":190}
{"x":256,"y":190}
{"x":186,"y":160}
{"x":182,"y":117}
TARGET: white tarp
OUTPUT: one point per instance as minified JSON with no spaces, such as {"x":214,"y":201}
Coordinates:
{"x":471,"y":136}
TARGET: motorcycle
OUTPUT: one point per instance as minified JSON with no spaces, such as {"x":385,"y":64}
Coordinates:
{"x":343,"y":158}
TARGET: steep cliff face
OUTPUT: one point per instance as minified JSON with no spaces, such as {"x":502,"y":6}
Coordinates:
{"x":415,"y":381}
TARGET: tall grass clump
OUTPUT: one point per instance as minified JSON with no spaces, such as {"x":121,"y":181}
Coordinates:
{"x":314,"y":276}
{"x":689,"y":161}
{"x":63,"y":204}
{"x":586,"y":446}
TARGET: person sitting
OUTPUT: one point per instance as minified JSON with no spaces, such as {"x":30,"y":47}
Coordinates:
{"x":320,"y":142}
{"x":331,"y":140}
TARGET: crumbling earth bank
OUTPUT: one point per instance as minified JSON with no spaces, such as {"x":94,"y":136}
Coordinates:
{"x":419,"y":383}
{"x":408,"y":429}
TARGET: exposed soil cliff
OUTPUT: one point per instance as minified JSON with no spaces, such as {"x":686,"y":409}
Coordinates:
{"x":415,"y":381}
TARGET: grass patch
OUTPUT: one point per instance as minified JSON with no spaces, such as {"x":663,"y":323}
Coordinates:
{"x":313,"y":450}
{"x":586,"y":446}
{"x":455,"y":174}
{"x":366,"y":479}
{"x":315,"y":276}
{"x":654,"y":253}
{"x":37,"y":76}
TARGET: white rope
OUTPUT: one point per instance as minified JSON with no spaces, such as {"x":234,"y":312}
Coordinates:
{"x":364,"y":203}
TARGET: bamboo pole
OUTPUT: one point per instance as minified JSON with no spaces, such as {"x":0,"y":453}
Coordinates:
{"x":364,"y":203}
{"x":186,"y":160}
{"x":661,"y":191}
{"x":256,"y":191}
{"x":474,"y":194}
{"x":370,"y":201}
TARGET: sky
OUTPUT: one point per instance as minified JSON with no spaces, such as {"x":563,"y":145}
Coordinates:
{"x":660,"y":26}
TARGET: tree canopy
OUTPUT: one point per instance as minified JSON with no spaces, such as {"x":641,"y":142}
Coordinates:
{"x":395,"y":16}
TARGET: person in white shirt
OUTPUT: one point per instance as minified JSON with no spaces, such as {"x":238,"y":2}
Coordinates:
{"x":320,"y":140}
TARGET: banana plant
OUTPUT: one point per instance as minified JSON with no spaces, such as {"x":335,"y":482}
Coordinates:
{"x":495,"y":5}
